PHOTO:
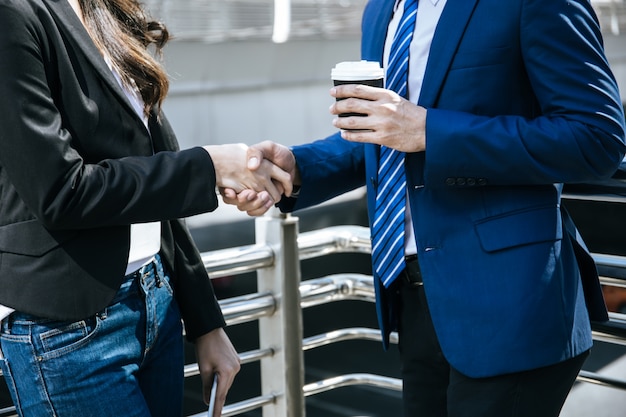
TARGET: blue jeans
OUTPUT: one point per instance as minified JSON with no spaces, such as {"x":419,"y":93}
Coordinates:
{"x":127,"y":360}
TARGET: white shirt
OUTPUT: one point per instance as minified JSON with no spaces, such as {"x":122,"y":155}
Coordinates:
{"x":145,"y":238}
{"x":428,"y":13}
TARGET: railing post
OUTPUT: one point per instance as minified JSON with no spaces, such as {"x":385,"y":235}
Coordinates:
{"x":282,"y":374}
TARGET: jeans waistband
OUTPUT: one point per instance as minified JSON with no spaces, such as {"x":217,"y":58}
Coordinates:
{"x":147,"y":276}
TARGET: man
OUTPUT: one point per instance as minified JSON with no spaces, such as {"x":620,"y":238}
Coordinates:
{"x":504,"y":101}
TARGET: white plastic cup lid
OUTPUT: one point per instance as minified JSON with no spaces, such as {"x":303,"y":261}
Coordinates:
{"x":357,"y":70}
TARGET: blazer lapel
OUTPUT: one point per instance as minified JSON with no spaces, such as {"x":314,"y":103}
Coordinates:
{"x":376,"y":17}
{"x":72,"y":28}
{"x":448,"y":33}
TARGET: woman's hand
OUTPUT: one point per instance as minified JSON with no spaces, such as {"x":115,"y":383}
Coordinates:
{"x":216,"y":355}
{"x":253,"y":203}
{"x":231,"y":172}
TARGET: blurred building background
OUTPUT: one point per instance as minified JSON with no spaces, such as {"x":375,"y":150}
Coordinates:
{"x":232,"y":83}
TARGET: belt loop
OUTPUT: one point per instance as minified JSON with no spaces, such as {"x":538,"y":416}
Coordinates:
{"x":5,"y":325}
{"x":158,"y":272}
{"x":412,"y":274}
{"x":157,"y":277}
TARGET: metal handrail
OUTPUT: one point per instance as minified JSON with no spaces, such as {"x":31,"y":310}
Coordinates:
{"x":352,"y":379}
{"x":341,"y":287}
{"x":355,"y":239}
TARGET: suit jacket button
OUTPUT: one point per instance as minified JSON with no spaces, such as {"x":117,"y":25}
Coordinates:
{"x":460,"y":181}
{"x":450,"y":181}
{"x":471,"y":181}
{"x":482,"y":181}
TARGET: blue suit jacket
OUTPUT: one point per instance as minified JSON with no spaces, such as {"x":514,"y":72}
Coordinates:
{"x":520,"y":98}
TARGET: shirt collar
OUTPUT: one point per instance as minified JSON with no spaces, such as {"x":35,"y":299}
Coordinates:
{"x":395,"y":7}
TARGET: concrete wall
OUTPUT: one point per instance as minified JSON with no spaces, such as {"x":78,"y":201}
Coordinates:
{"x":252,"y":90}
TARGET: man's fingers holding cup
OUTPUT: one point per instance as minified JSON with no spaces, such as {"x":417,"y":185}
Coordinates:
{"x":364,"y":92}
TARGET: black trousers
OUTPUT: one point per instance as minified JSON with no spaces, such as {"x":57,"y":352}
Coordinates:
{"x":432,"y":388}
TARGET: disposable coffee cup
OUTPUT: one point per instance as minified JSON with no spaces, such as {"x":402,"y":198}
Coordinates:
{"x":357,"y":72}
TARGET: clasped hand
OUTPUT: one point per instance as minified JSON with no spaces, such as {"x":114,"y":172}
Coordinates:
{"x":253,"y":203}
{"x":268,"y":182}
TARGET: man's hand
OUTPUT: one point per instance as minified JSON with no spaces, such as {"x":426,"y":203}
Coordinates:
{"x":257,"y":203}
{"x":391,"y":120}
{"x":278,"y":154}
{"x":216,"y":355}
{"x":231,"y":173}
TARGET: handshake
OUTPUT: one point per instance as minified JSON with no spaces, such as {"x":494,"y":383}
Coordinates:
{"x":254,"y":178}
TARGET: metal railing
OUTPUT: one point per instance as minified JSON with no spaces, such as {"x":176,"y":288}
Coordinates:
{"x":281,"y":297}
{"x":271,"y":253}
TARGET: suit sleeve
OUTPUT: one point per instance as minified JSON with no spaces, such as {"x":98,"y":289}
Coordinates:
{"x":328,"y":168}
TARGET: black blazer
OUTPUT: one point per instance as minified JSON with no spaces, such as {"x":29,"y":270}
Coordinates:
{"x":77,"y":168}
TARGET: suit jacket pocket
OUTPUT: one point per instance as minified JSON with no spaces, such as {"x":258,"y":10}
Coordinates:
{"x":481,"y":57}
{"x":533,"y":225}
{"x":31,"y":238}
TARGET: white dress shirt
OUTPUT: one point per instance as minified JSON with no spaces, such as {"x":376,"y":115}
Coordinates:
{"x":428,"y":13}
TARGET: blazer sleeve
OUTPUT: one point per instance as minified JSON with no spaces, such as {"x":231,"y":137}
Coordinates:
{"x":72,"y":182}
{"x":194,"y":293}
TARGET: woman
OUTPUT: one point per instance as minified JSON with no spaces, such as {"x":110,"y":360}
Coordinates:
{"x":95,"y":269}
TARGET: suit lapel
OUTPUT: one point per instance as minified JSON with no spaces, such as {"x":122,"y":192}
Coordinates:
{"x":448,"y":34}
{"x":73,"y":30}
{"x":376,"y":17}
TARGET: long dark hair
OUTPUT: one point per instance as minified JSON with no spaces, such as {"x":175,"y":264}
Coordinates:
{"x":123,"y":32}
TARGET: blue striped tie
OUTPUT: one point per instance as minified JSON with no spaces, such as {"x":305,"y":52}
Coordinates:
{"x":388,"y":226}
